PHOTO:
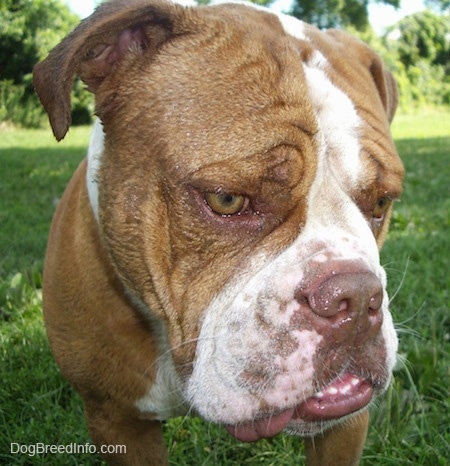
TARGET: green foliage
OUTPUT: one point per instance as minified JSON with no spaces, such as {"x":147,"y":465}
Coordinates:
{"x":34,"y":170}
{"x":440,"y":5}
{"x":424,"y":36}
{"x":417,"y":51}
{"x":19,"y":105}
{"x":31,"y":382}
{"x":423,"y":58}
{"x":29,"y":29}
{"x":336,"y":13}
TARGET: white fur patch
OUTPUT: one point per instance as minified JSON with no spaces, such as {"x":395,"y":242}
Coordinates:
{"x":164,"y":399}
{"x":338,"y":121}
{"x":237,"y":365}
{"x":94,"y":161}
{"x":388,"y":331}
{"x":293,"y":26}
{"x":287,"y":391}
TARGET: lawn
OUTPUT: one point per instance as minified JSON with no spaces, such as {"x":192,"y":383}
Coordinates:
{"x":410,"y":425}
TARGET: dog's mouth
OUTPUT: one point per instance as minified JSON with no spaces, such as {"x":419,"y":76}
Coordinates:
{"x":345,"y":395}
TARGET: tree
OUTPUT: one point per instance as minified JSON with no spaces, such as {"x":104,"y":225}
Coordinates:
{"x":29,"y":28}
{"x":331,"y":13}
{"x":424,"y":36}
{"x":422,"y":48}
{"x":439,"y":5}
{"x":336,"y":13}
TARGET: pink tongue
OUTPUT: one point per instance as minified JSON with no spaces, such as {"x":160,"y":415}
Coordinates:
{"x":261,"y":428}
{"x":343,"y":396}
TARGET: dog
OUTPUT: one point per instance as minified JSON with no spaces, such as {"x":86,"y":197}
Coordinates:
{"x":217,"y":252}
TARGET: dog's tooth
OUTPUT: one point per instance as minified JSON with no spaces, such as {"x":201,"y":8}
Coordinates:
{"x":345,"y":389}
{"x":318,"y":395}
{"x":354,"y":381}
{"x":332,"y":391}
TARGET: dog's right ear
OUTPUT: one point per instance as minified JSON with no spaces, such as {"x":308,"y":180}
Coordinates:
{"x":97,"y":46}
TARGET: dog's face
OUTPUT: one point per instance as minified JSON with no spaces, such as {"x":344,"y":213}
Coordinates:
{"x":243,"y":189}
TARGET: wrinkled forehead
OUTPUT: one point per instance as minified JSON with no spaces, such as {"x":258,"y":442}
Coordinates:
{"x":242,"y":74}
{"x":273,"y":80}
{"x":240,"y":56}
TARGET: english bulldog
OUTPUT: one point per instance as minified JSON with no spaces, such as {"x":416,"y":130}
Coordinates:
{"x":217,"y":252}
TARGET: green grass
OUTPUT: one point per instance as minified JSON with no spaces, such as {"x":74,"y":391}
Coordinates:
{"x":410,"y":425}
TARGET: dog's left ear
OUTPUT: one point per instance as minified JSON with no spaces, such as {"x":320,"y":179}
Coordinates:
{"x":97,"y":47}
{"x":382,"y":78}
{"x":386,"y":85}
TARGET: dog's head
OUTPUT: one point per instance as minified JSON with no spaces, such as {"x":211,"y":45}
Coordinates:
{"x":243,"y":189}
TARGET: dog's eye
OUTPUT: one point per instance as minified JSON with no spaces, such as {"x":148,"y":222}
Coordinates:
{"x":225,"y":204}
{"x":381,"y":207}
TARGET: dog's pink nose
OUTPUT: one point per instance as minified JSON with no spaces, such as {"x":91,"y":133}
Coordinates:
{"x":348,"y":292}
{"x":350,"y":302}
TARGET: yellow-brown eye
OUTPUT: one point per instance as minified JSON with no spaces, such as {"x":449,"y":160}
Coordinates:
{"x":381,"y":207}
{"x":224,"y":203}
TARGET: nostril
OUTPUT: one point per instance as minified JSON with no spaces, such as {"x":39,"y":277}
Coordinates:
{"x":375,"y":302}
{"x":343,"y":305}
{"x":345,"y":295}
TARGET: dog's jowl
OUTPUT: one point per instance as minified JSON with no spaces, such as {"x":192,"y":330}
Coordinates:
{"x":217,"y":252}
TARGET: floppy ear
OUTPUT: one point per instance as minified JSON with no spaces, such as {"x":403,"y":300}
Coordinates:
{"x":97,"y":46}
{"x":382,"y":78}
{"x":386,"y":85}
